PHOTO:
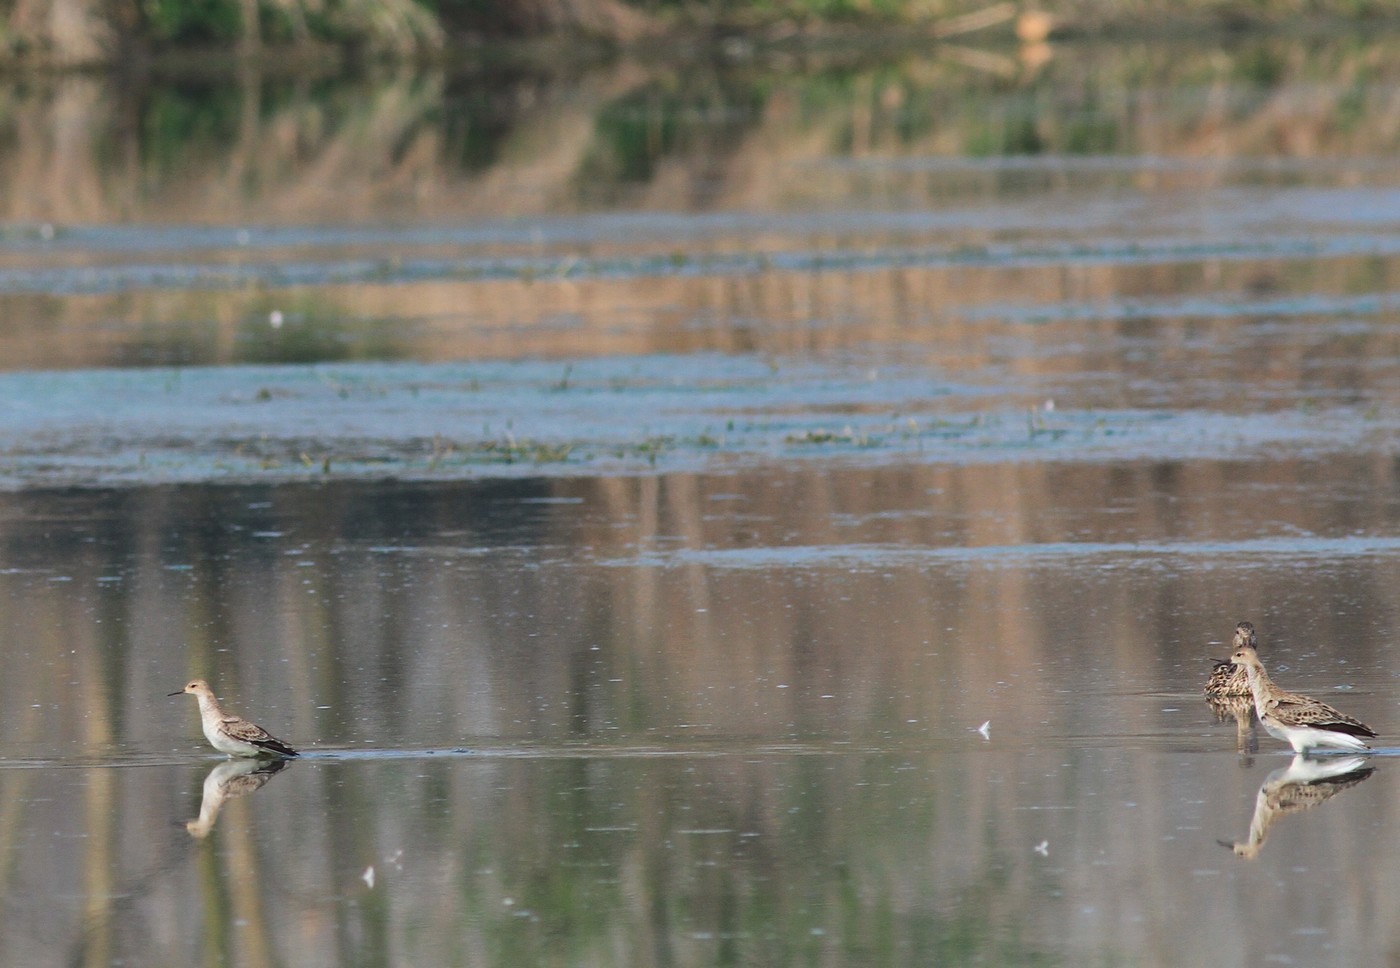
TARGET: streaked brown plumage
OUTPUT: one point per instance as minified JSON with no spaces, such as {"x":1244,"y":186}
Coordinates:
{"x":1301,"y":721}
{"x":1228,"y":680}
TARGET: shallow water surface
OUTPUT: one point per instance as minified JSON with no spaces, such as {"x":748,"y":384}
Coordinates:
{"x":555,"y":719}
{"x":979,"y":856}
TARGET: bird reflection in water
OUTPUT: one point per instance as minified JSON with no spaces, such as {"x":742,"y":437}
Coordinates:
{"x":1303,"y":783}
{"x":229,"y":780}
{"x":1228,"y":694}
{"x":1240,"y":709}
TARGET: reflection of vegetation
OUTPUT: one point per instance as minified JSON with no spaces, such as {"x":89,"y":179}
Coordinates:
{"x":198,"y":21}
{"x":207,"y":126}
{"x":429,"y":612}
{"x":1017,"y":134}
{"x":302,"y":332}
{"x":705,"y":115}
{"x":671,"y":855}
{"x":192,"y":117}
{"x":312,"y":333}
{"x":476,"y":117}
{"x":480,"y":141}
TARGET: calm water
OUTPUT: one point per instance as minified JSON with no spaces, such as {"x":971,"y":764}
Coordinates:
{"x":780,"y":512}
{"x":686,"y":719}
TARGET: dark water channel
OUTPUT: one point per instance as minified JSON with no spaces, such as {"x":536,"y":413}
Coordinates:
{"x":769,"y":511}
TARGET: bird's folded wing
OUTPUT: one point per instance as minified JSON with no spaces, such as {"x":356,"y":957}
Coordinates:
{"x":1320,"y":716}
{"x":246,"y":731}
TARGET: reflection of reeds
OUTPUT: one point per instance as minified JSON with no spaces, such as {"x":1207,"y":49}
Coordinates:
{"x":407,"y":145}
{"x":239,"y":603}
{"x":441,"y":614}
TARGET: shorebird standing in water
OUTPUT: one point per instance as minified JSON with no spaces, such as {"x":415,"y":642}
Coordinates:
{"x":1227,"y":680}
{"x":229,"y":734}
{"x":1301,"y":721}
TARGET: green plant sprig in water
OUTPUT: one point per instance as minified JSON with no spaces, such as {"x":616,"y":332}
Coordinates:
{"x":847,"y":435}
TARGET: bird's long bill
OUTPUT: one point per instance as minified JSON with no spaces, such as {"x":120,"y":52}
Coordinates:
{"x":180,"y":693}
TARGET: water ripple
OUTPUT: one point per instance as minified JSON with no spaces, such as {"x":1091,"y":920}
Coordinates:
{"x":1295,"y":549}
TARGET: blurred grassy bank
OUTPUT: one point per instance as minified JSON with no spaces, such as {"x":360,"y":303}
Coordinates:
{"x":68,"y":33}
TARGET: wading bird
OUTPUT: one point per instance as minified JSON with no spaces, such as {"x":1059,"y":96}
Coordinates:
{"x":1301,"y":721}
{"x":229,"y":734}
{"x":1227,"y":680}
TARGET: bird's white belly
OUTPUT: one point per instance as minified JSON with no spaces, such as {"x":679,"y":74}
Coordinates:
{"x":224,"y":743}
{"x":1308,"y":737}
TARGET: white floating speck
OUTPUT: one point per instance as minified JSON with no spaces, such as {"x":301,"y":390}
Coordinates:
{"x":368,"y":876}
{"x":274,"y":319}
{"x":986,"y":729}
{"x":1043,"y":848}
